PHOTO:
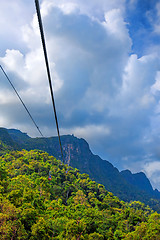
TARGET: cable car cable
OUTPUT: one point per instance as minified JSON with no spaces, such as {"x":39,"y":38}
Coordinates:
{"x":48,"y":70}
{"x":21,"y":100}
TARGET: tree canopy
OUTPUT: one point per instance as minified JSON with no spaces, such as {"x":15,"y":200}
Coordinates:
{"x":70,"y":206}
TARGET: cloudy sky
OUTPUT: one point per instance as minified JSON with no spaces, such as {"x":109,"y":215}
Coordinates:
{"x":105,"y":63}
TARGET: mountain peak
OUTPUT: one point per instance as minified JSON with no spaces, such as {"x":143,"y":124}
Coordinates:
{"x":138,"y":180}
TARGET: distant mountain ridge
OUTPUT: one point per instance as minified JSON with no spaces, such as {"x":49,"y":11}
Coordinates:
{"x":137,"y":179}
{"x":125,"y":185}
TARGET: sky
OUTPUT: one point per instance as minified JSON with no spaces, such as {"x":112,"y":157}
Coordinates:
{"x":105,"y":65}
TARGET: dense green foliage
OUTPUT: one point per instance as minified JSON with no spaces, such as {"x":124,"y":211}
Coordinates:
{"x":70,"y":206}
{"x":4,"y":148}
{"x":125,"y":185}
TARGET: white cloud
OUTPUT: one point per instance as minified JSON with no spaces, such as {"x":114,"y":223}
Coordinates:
{"x":152,"y":170}
{"x":13,"y":15}
{"x":13,"y":60}
{"x":89,"y":131}
{"x":156,"y":86}
{"x":154,"y":18}
{"x":75,"y":79}
{"x":157,"y":22}
{"x":152,"y":167}
{"x":132,"y":3}
{"x":93,"y":8}
{"x":115,"y":25}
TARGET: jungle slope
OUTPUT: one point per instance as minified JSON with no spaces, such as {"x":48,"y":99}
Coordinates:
{"x":125,"y":185}
{"x":70,"y":206}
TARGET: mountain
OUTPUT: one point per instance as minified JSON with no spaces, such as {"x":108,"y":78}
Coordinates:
{"x":7,"y":139}
{"x":125,"y":185}
{"x":138,"y":179}
{"x":17,"y":136}
{"x":69,"y":205}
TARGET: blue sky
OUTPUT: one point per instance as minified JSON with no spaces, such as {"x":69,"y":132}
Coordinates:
{"x":105,"y":64}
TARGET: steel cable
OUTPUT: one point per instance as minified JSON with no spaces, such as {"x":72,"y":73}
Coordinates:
{"x":48,"y":71}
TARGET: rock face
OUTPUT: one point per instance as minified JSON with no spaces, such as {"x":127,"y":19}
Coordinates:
{"x":77,"y":154}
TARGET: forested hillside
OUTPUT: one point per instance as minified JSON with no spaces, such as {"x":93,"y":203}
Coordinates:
{"x":70,"y":206}
{"x":125,"y":185}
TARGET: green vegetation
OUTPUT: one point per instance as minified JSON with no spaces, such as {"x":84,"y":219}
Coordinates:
{"x":125,"y":185}
{"x":4,"y":148}
{"x":69,"y":207}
